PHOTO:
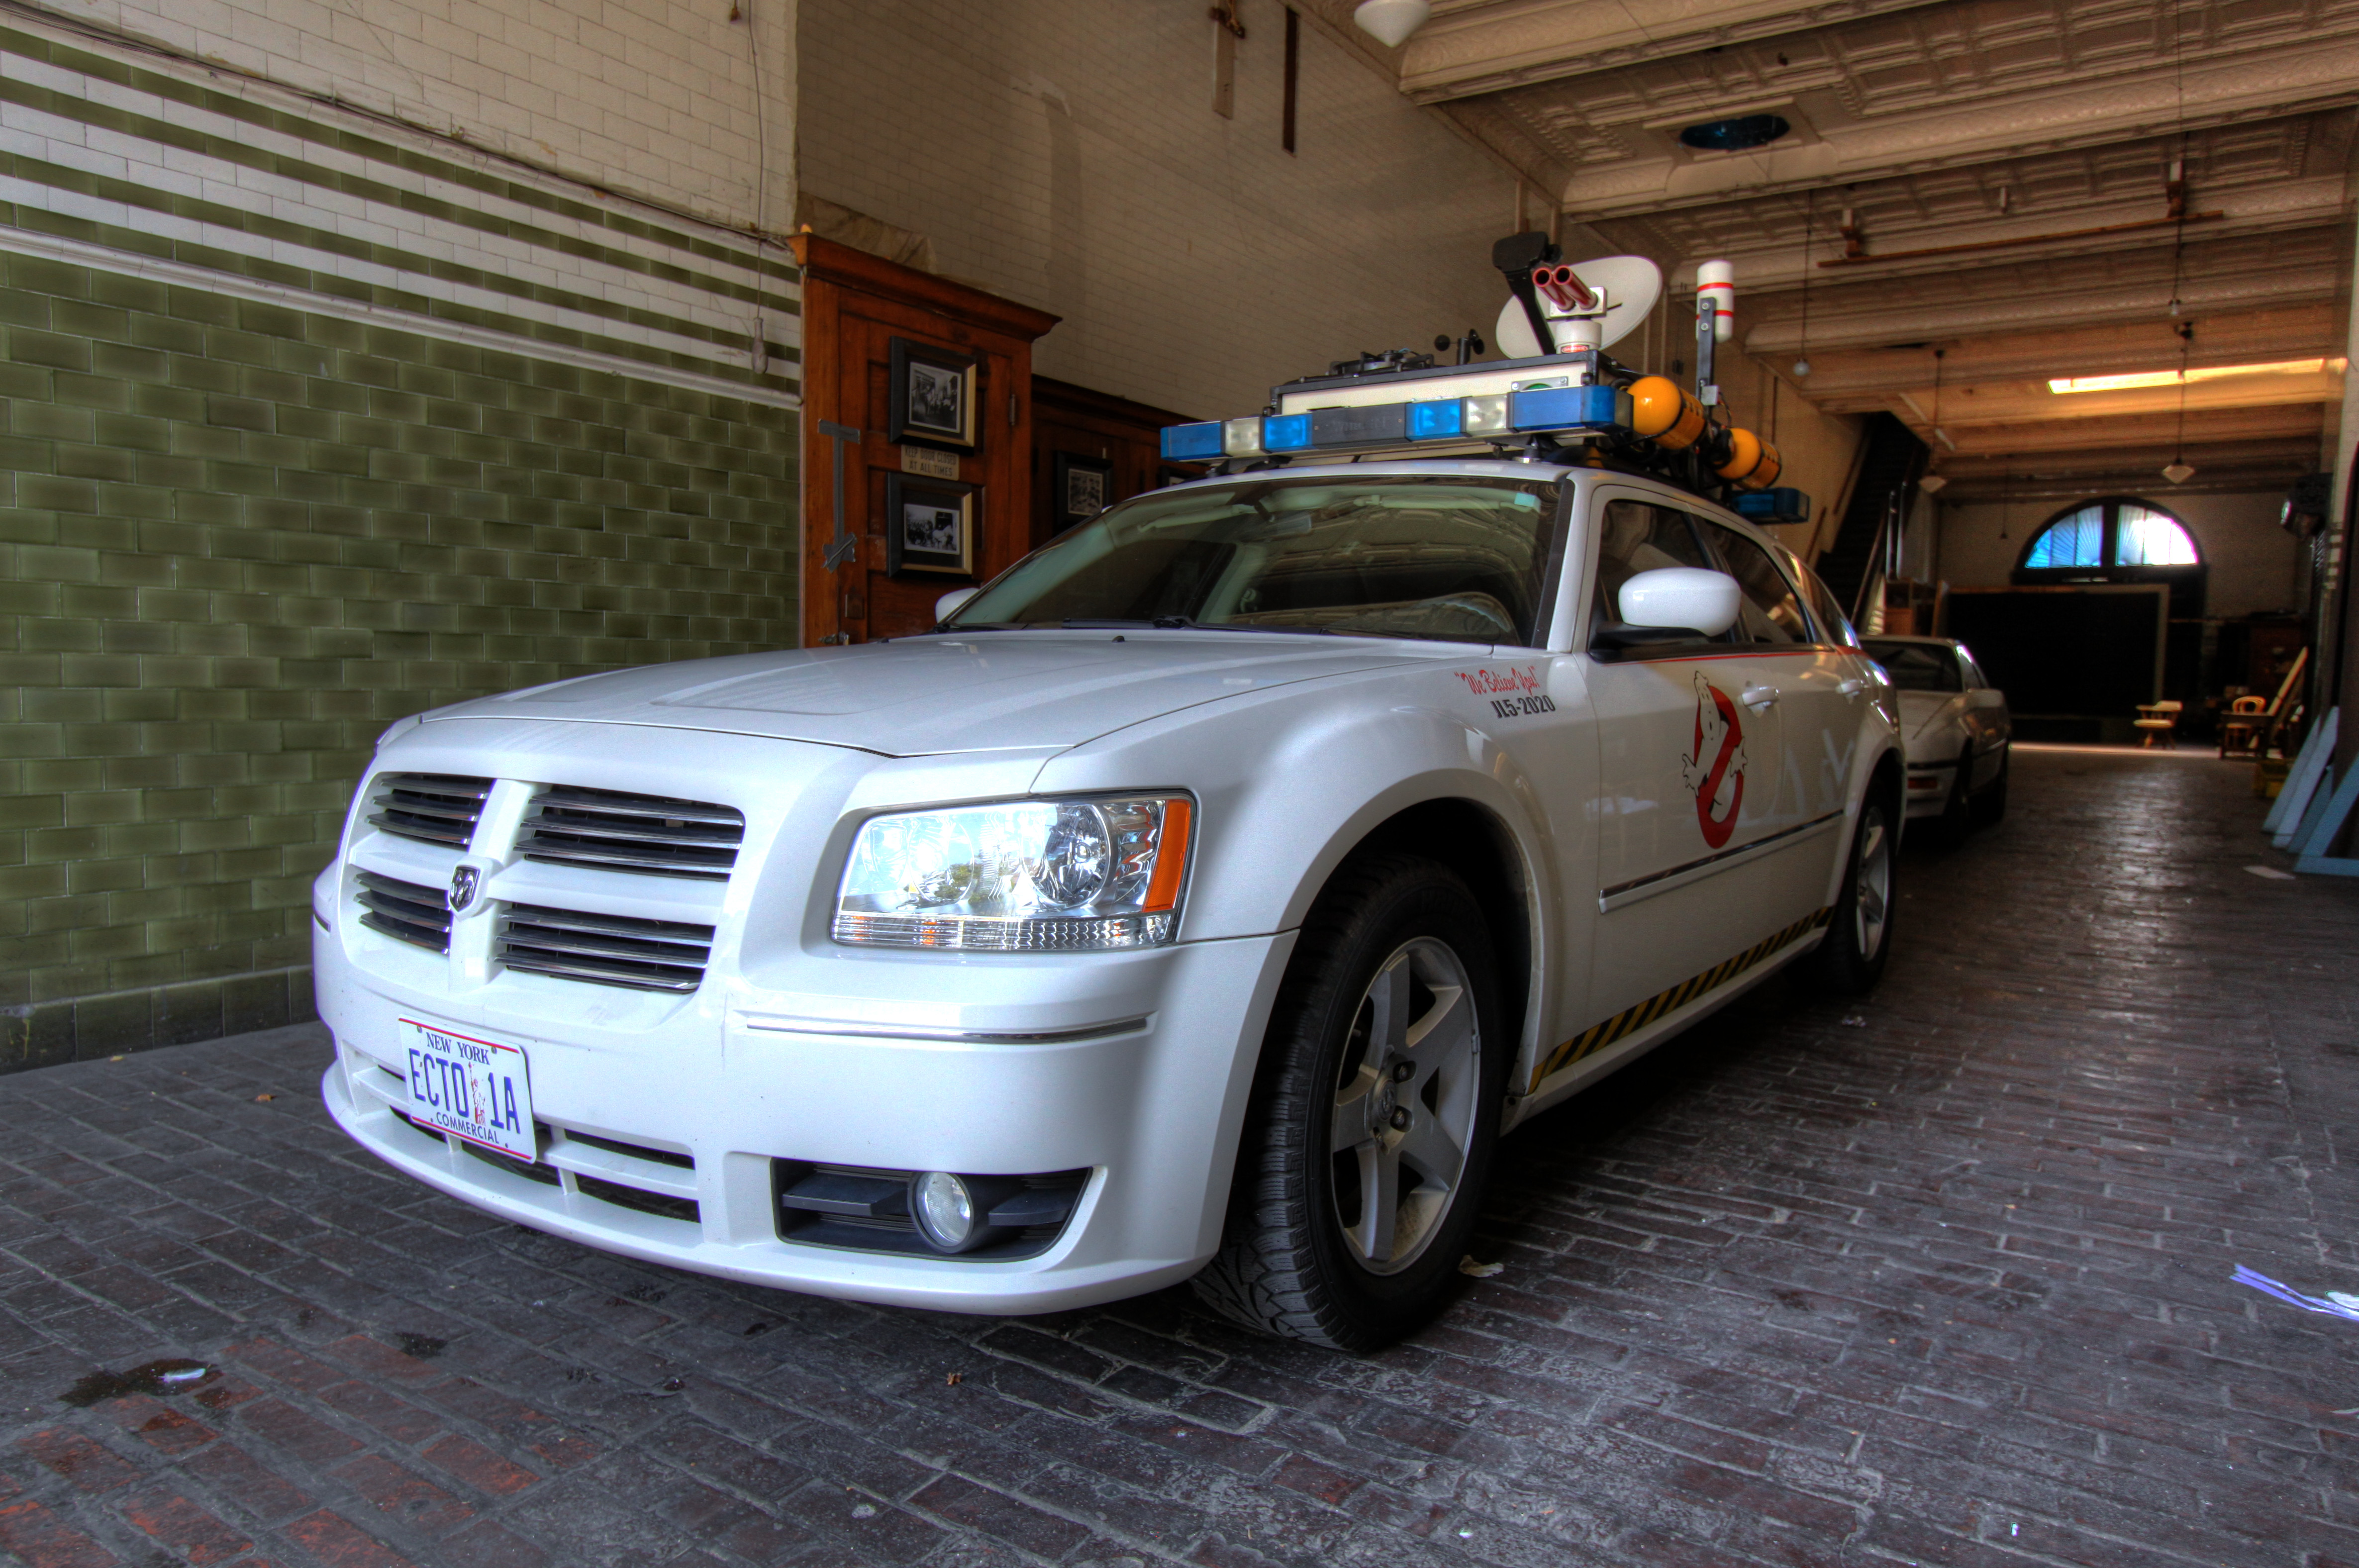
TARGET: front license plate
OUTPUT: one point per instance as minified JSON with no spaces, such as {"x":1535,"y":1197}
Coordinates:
{"x":470,"y":1088}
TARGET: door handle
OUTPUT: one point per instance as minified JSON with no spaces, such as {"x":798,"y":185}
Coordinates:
{"x":1758,"y":697}
{"x":1851,"y":688}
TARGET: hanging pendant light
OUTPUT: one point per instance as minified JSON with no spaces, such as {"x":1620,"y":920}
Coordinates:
{"x":1390,"y":22}
{"x":1802,"y":345}
{"x":2177,"y":470}
{"x":1931,"y":484}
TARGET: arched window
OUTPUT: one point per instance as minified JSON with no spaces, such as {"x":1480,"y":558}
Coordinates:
{"x":2116,"y":531}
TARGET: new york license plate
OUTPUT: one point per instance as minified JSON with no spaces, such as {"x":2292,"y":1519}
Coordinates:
{"x":470,"y":1088}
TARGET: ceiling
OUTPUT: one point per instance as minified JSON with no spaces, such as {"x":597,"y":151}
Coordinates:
{"x":2002,"y":168}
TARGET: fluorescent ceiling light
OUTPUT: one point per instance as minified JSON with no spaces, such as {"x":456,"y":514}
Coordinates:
{"x":2170,"y":377}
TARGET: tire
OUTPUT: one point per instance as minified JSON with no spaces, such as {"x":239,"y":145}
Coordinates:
{"x":1859,"y":931}
{"x":1396,"y":958}
{"x":1949,"y":829}
{"x":1990,"y":806}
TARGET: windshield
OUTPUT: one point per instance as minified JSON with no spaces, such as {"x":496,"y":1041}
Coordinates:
{"x":1457,"y":558}
{"x":1918,"y":665}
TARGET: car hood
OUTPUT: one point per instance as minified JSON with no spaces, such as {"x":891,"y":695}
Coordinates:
{"x":921,"y":695}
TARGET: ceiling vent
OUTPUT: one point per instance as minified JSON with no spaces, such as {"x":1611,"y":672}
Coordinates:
{"x":1735,"y":135}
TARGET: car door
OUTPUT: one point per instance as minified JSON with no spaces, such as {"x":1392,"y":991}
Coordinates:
{"x":1811,"y":678}
{"x":1688,"y":785}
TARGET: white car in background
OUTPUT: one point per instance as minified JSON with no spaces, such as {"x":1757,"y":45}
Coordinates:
{"x":1204,"y":898}
{"x":1955,"y":728}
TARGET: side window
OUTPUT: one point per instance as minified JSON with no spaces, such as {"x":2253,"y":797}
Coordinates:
{"x":1833,"y":624}
{"x":1770,"y":611}
{"x":1639,"y":536}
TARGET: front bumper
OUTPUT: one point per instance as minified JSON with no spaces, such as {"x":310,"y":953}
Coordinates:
{"x":1138,"y":1075}
{"x":1929,"y":786}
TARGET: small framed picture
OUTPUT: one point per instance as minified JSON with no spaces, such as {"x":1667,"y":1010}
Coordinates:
{"x":930,"y":527}
{"x":933,"y":397}
{"x":1085,"y":487}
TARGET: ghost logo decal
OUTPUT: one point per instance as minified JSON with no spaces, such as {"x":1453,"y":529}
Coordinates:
{"x":1715,"y":769}
{"x":464,"y":883}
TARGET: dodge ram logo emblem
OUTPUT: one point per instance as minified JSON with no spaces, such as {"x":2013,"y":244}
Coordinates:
{"x":464,"y":883}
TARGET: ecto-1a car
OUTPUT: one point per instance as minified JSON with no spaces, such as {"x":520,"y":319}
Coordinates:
{"x":1956,"y":732}
{"x":1203,"y":899}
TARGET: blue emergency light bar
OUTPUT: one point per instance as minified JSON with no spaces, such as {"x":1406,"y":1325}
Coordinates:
{"x":1597,"y":409}
{"x":1779,"y":505}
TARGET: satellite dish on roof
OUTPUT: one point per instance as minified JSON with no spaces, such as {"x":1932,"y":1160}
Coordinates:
{"x":1631,"y":285}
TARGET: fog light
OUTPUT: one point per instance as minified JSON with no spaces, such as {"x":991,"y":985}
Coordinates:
{"x":944,"y":1210}
{"x":1924,"y":783}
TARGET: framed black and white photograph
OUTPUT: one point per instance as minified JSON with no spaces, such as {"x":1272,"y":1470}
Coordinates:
{"x":933,"y":397}
{"x":930,"y":527}
{"x":1083,"y":488}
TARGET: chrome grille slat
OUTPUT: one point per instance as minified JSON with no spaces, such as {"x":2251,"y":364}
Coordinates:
{"x":404,"y":911}
{"x":604,"y":950}
{"x":614,"y":947}
{"x":431,"y":808}
{"x":614,"y":803}
{"x":614,"y":831}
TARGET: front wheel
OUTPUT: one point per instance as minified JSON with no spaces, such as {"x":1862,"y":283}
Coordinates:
{"x":1373,"y":1115}
{"x":1990,"y":806}
{"x":1859,"y":928}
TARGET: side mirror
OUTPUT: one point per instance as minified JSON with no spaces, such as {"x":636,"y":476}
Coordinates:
{"x":1674,"y":604}
{"x":948,"y":604}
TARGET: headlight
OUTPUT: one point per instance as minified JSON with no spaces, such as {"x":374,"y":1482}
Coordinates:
{"x":1018,"y":877}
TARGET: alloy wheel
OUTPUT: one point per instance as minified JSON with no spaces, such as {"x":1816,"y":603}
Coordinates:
{"x":1871,"y":905}
{"x":1405,"y":1097}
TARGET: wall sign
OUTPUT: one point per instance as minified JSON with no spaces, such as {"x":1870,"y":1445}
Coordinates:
{"x":931,"y":465}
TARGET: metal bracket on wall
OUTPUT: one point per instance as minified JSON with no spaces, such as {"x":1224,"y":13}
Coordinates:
{"x":842,"y":547}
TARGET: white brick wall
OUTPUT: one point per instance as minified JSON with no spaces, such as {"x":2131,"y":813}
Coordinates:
{"x":1064,"y":153}
{"x":311,"y":206}
{"x":654,"y":98}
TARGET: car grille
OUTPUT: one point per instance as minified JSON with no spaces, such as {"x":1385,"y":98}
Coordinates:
{"x":653,"y":834}
{"x":432,"y":808}
{"x":604,"y":950}
{"x":405,"y":911}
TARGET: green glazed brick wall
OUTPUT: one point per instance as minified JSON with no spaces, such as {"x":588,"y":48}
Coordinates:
{"x":236,"y":540}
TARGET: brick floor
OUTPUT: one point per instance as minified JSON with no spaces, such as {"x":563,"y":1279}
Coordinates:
{"x":1941,"y":1278}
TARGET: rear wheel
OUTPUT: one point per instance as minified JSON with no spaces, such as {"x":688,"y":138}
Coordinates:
{"x":1374,"y":1117}
{"x":1859,"y":928}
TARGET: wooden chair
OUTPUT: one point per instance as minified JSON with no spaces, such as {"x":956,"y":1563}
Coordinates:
{"x":2155,"y":722}
{"x":2283,"y":706}
{"x":2242,"y":725}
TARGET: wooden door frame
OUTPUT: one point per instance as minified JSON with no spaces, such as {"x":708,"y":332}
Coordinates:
{"x":835,"y":278}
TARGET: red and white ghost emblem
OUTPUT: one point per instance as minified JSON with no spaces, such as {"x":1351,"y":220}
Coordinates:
{"x":1715,"y":769}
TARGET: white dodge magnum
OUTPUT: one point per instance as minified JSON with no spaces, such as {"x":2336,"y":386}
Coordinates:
{"x":1201,"y":900}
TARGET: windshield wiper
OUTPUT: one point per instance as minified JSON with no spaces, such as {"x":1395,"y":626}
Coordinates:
{"x":1189,"y":623}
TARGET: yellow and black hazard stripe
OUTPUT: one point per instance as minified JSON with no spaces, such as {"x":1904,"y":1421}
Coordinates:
{"x":1630,"y":1019}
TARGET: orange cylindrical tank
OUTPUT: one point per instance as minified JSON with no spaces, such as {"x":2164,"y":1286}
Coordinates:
{"x":1663,"y":411}
{"x":1753,"y":464}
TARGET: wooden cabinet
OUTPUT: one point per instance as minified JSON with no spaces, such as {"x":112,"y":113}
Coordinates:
{"x":969,"y":346}
{"x":1073,"y":429}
